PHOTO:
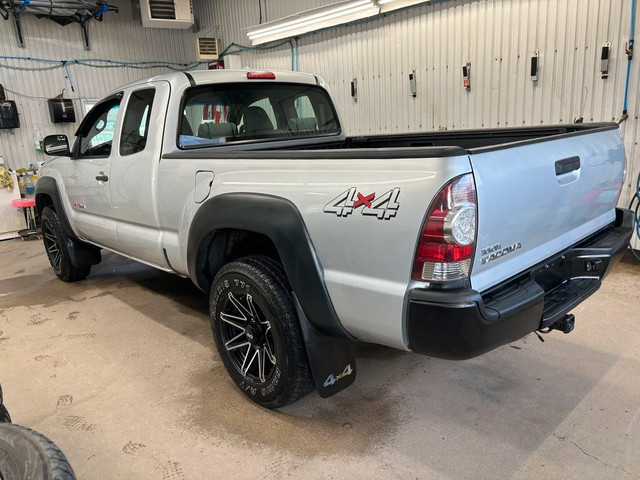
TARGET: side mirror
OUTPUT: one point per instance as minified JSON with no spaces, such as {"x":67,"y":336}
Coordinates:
{"x":56,"y":145}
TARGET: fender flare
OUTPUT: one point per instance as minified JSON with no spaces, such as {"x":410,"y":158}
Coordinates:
{"x":48,"y":186}
{"x":280,"y":220}
{"x":81,"y":253}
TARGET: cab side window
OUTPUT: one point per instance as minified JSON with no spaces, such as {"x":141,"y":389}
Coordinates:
{"x":96,"y":136}
{"x":135,"y":127}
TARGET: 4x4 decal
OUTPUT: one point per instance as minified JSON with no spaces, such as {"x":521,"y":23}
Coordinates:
{"x":384,"y":207}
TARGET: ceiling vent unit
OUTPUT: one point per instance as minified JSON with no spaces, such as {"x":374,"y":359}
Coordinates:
{"x":207,"y":48}
{"x":166,"y":13}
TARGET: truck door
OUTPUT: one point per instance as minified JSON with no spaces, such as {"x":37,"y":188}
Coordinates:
{"x":86,"y":178}
{"x":134,"y":172}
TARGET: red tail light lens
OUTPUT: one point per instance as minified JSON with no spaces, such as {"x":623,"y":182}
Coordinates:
{"x":261,"y":75}
{"x":447,"y":241}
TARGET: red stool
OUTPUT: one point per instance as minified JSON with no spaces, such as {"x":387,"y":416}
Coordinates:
{"x":28,"y":208}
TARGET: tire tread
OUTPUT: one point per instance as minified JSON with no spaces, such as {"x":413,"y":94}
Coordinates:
{"x":271,"y":275}
{"x":58,"y":465}
{"x":68,"y":271}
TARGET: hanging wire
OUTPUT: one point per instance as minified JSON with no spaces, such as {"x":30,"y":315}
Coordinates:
{"x":244,"y":48}
{"x":97,"y":63}
{"x":36,"y":97}
{"x":29,"y":69}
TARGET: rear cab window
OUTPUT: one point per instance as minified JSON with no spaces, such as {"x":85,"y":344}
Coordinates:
{"x":218,"y":114}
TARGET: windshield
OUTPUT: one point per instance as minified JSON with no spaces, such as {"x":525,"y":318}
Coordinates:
{"x":223,"y":113}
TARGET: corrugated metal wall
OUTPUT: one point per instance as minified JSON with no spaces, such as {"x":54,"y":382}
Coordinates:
{"x":498,"y":37}
{"x":118,"y":37}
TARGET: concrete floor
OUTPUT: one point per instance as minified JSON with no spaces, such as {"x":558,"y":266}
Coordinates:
{"x":121,"y":372}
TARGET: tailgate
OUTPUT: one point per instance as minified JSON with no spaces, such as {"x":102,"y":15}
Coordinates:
{"x":538,"y":197}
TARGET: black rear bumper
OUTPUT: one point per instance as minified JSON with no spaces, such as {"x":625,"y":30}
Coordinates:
{"x":462,"y":323}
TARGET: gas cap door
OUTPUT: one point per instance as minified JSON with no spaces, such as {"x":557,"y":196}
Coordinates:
{"x":204,"y":181}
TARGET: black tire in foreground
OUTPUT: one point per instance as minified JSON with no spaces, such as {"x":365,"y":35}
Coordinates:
{"x":257,"y":332}
{"x":26,"y":454}
{"x":4,"y":415}
{"x":56,"y":244}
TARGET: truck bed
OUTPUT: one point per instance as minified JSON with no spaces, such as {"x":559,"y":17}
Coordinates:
{"x":471,"y":139}
{"x":413,"y":145}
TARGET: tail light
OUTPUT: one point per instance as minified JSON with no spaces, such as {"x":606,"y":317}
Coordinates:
{"x":447,"y":242}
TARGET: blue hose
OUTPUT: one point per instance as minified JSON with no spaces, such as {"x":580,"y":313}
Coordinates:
{"x":66,"y":70}
{"x":630,"y":56}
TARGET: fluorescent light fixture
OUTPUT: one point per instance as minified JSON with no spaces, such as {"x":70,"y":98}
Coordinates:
{"x":312,"y":20}
{"x":391,"y":5}
{"x":324,"y":17}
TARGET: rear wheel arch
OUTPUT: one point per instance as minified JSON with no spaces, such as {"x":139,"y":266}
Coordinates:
{"x":226,"y":245}
{"x":279,"y":225}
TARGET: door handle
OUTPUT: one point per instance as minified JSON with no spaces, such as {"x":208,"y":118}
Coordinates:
{"x":567,"y":165}
{"x":102,"y":177}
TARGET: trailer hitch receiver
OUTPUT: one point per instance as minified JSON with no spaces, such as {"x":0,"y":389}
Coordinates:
{"x":565,"y":324}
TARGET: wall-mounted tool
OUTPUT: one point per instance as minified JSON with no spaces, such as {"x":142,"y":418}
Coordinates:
{"x":412,"y":84}
{"x":604,"y":60}
{"x":8,"y":112}
{"x":9,"y":115}
{"x":354,"y":89}
{"x":63,"y":13}
{"x":61,"y":110}
{"x":466,"y":75}
{"x":534,"y":67}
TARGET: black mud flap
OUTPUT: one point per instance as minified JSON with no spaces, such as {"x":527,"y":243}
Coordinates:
{"x":332,"y":360}
{"x":82,"y":254}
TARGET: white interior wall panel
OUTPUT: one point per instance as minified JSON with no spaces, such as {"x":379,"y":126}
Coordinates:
{"x":119,"y":36}
{"x":498,"y":37}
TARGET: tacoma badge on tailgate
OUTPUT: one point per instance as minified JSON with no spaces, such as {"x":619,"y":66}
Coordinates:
{"x":496,"y":251}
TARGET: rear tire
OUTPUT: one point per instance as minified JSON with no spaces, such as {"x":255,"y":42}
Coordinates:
{"x":27,"y":454}
{"x":257,"y":332}
{"x":56,"y":244}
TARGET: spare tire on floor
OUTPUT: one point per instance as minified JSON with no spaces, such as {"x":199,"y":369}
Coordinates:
{"x":26,"y":454}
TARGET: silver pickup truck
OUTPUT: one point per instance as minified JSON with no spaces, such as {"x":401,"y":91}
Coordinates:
{"x":448,"y":244}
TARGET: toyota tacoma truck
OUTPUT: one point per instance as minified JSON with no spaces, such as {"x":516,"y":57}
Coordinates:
{"x":448,"y":244}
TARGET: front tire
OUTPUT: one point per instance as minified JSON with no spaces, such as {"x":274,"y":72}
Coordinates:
{"x":257,"y":332}
{"x":56,"y":244}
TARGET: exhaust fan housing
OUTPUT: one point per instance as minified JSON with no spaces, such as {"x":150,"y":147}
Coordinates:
{"x":166,"y":13}
{"x":207,"y":48}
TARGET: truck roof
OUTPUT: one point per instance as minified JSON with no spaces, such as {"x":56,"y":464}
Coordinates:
{"x":224,"y":76}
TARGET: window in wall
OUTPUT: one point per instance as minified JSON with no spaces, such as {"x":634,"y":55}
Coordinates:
{"x":87,"y":105}
{"x":135,"y":127}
